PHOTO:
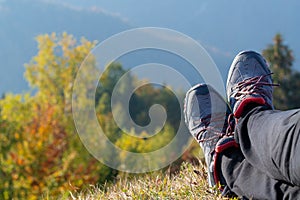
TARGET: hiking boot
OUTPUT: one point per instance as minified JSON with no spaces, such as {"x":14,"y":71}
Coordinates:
{"x":206,"y":116}
{"x":249,"y":82}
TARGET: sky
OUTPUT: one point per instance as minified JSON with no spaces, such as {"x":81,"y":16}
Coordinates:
{"x":222,"y":20}
{"x":223,"y":27}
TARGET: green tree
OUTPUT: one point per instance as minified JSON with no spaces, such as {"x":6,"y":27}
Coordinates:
{"x":280,"y":57}
{"x":108,"y":81}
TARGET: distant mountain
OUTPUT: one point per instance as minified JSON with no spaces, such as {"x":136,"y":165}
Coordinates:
{"x":22,"y":20}
{"x":234,"y":23}
{"x":223,"y":27}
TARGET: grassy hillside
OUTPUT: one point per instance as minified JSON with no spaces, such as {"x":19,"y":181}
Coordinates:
{"x":189,"y":183}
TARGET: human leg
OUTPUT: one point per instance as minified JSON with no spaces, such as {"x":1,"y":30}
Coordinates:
{"x":268,"y":139}
{"x":222,"y":157}
{"x":249,"y":182}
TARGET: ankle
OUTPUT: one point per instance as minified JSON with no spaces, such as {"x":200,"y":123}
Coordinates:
{"x":248,"y":104}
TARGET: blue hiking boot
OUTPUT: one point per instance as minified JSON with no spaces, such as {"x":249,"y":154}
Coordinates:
{"x":207,"y":118}
{"x":249,"y":82}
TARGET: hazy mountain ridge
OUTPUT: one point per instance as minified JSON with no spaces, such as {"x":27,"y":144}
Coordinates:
{"x":223,"y":27}
{"x":22,"y":20}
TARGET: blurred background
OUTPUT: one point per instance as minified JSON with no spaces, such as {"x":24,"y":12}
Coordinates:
{"x":43,"y":43}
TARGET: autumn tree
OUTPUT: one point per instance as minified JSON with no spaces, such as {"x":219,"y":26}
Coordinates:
{"x":45,"y":155}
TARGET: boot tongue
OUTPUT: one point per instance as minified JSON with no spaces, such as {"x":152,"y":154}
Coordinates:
{"x":204,"y":90}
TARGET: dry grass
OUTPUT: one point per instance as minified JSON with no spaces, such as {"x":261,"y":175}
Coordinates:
{"x":190,"y":183}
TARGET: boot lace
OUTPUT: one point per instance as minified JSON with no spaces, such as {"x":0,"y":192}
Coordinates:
{"x":252,"y":86}
{"x":216,"y":133}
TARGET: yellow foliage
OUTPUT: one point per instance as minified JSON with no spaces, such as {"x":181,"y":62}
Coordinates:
{"x":39,"y":152}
